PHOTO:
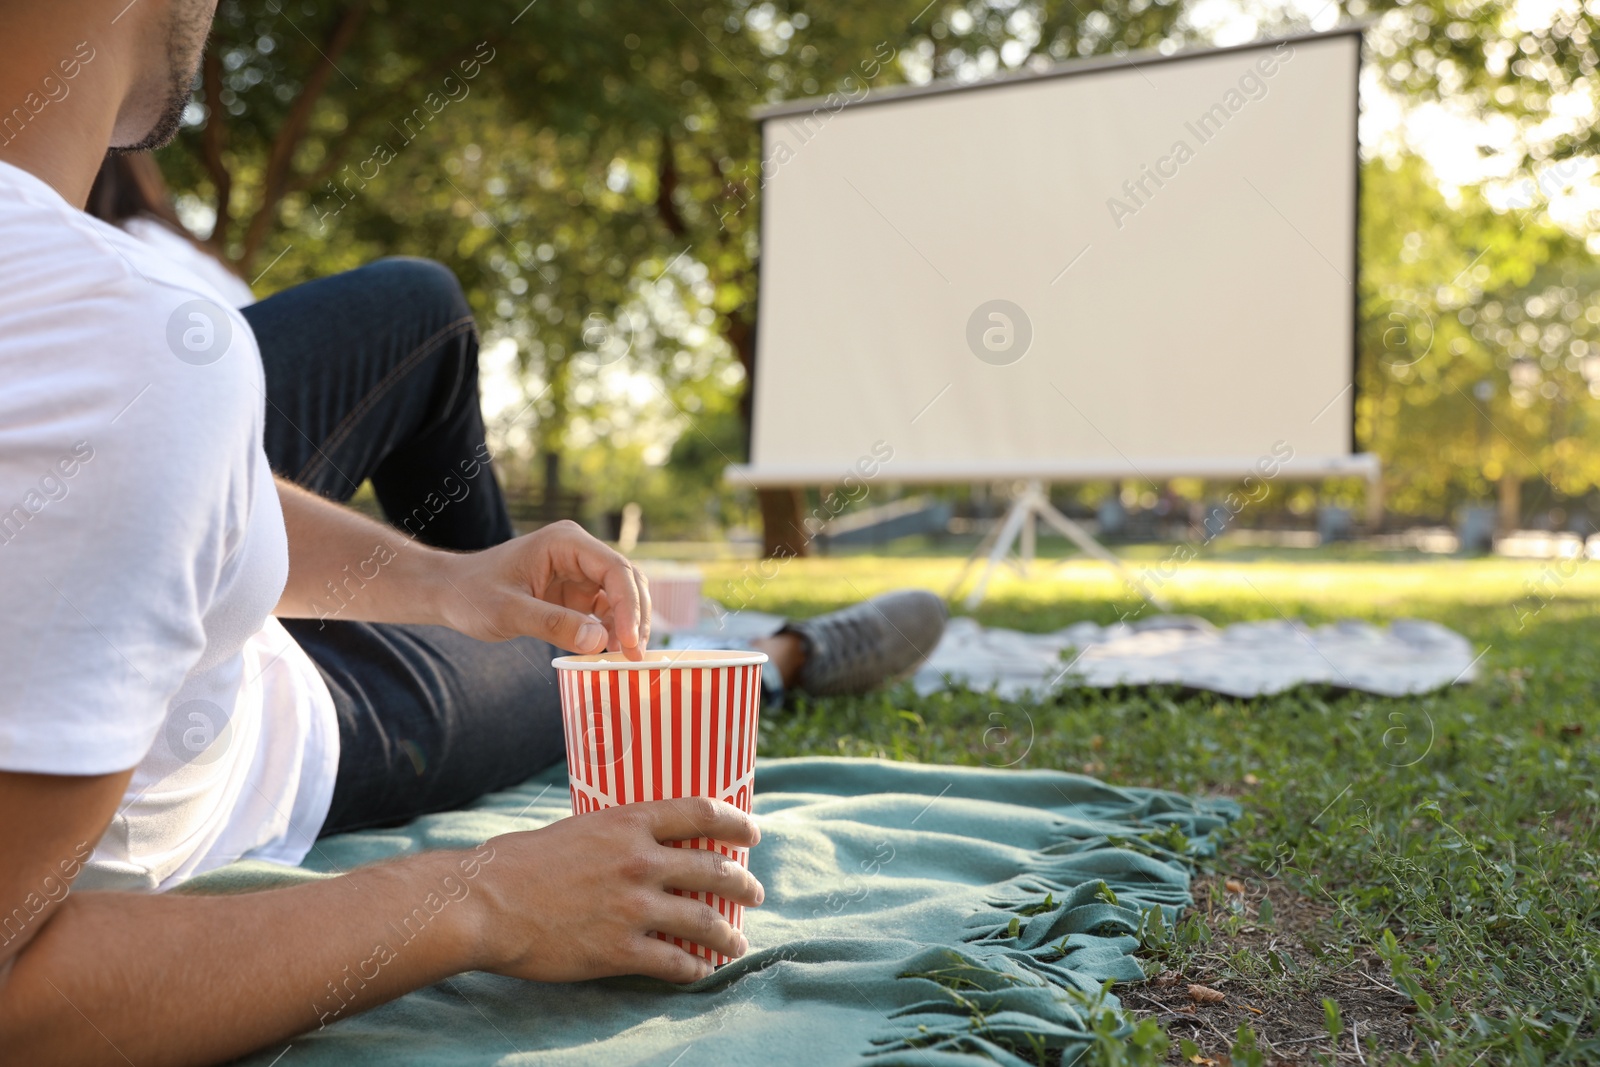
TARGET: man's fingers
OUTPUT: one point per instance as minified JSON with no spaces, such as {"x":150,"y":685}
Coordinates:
{"x":688,"y":817}
{"x":664,"y":960}
{"x":698,"y":870}
{"x":645,"y":607}
{"x":611,"y":571}
{"x":612,"y":574}
{"x":562,"y":627}
{"x":622,"y":590}
{"x":697,"y":921}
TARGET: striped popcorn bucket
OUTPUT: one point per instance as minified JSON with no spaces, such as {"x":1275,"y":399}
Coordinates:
{"x":675,"y":724}
{"x":674,"y":595}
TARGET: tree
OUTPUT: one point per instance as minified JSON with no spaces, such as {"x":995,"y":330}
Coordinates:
{"x":1480,"y":329}
{"x":328,"y":134}
{"x":1497,"y":60}
{"x":592,"y":174}
{"x":324,"y":134}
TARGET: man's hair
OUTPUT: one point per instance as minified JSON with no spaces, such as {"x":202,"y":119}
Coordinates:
{"x":129,"y":186}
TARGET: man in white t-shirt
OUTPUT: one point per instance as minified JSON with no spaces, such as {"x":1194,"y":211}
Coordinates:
{"x":158,"y":720}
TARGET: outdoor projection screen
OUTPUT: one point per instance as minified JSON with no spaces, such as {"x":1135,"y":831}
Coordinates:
{"x":1131,"y":266}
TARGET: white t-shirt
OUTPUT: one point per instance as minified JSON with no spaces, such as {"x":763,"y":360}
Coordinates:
{"x":142,"y":549}
{"x":180,"y":250}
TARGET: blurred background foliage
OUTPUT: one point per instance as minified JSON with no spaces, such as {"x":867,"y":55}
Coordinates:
{"x":591,"y":172}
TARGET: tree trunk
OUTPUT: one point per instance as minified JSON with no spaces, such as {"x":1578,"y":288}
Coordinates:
{"x":781,"y":509}
{"x":213,"y":142}
{"x":552,"y":487}
{"x":782,"y":532}
{"x":1510,"y":517}
{"x":280,"y":158}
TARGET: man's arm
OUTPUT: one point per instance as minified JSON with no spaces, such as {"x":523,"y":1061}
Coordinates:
{"x":173,"y":979}
{"x":343,"y":565}
{"x":102,"y":977}
{"x":559,"y":583}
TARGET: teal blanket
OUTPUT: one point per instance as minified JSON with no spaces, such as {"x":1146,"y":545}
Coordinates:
{"x":915,"y":915}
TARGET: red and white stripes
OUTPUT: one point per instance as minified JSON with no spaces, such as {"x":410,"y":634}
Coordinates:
{"x":675,"y":598}
{"x":643,"y":732}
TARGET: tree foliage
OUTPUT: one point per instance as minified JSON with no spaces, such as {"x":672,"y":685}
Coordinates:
{"x":1483,"y":344}
{"x":592,"y":173}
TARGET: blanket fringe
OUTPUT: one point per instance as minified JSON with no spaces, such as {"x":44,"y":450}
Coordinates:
{"x":1034,"y":979}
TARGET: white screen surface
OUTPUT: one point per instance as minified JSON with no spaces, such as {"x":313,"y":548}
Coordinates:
{"x":1187,"y":281}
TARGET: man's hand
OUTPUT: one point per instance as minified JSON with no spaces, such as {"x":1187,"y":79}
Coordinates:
{"x":557,"y":583}
{"x":580,"y":898}
{"x":175,"y":979}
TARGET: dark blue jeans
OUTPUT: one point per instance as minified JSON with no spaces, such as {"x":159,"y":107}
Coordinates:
{"x":373,"y":374}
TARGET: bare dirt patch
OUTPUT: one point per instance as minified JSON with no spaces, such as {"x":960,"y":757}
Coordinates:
{"x":1231,"y":963}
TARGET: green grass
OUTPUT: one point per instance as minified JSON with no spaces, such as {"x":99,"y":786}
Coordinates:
{"x":1455,"y":834}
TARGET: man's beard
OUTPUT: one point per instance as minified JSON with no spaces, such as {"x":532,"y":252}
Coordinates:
{"x":166,"y":127}
{"x":186,"y":34}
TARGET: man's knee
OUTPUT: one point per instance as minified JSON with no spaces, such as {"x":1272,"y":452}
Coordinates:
{"x":423,"y":283}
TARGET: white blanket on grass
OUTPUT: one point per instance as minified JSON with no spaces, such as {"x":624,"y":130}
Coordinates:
{"x":1408,"y":656}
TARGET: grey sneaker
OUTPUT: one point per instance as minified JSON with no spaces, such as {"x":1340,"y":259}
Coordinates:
{"x":858,"y":648}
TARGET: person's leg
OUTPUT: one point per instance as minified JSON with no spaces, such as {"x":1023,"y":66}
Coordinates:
{"x":373,"y":373}
{"x":786,"y":655}
{"x":847,"y":651}
{"x":430,"y":719}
